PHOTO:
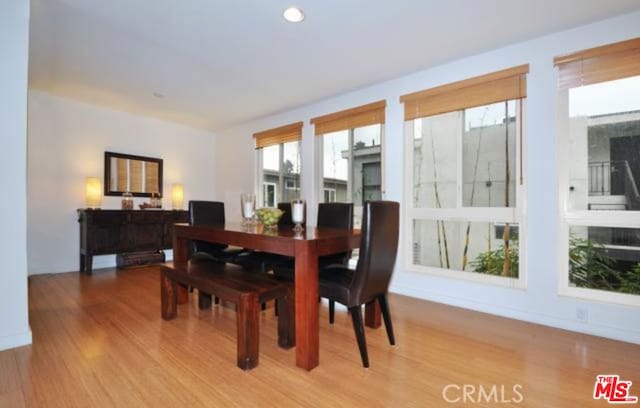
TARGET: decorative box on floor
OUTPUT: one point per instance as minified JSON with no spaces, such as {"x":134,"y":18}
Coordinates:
{"x":139,"y":258}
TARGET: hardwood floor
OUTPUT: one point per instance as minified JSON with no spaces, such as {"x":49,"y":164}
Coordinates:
{"x":99,"y":341}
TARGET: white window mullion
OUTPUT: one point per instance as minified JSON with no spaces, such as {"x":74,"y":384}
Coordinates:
{"x":478,"y":214}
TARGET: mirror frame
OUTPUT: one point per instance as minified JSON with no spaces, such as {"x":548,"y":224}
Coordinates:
{"x":107,"y":172}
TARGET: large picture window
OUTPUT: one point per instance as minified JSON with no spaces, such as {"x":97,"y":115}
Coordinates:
{"x":464,"y":182}
{"x":599,"y":142}
{"x":350,"y":152}
{"x":279,"y":164}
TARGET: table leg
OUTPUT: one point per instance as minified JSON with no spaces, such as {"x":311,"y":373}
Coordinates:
{"x":306,"y":305}
{"x":372,"y":314}
{"x":180,"y":258}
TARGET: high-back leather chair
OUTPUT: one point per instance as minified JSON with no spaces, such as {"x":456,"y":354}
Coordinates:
{"x":370,"y":280}
{"x":335,"y":215}
{"x":209,"y":213}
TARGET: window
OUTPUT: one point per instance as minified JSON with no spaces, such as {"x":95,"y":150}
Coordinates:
{"x":464,"y":181}
{"x":291,"y":184}
{"x":279,"y":164}
{"x":350,"y":149}
{"x":269,"y":194}
{"x":599,"y":141}
{"x":329,"y":195}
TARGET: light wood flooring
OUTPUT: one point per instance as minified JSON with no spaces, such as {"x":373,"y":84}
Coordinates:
{"x":99,"y":341}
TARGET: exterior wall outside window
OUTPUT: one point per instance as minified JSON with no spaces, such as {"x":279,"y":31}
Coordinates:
{"x":598,"y":191}
{"x":465,"y":217}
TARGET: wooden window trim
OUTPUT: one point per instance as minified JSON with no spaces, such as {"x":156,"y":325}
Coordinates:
{"x":510,"y":83}
{"x":365,"y":115}
{"x":282,"y":134}
{"x":599,"y":64}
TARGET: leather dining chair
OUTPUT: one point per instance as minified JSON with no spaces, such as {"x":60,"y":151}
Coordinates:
{"x":370,"y":279}
{"x":210,"y":213}
{"x":330,"y":215}
{"x":264,"y":261}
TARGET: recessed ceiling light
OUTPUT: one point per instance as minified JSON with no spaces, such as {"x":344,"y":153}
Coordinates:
{"x":293,"y":15}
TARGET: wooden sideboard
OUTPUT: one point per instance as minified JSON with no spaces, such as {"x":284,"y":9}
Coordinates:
{"x":106,"y":232}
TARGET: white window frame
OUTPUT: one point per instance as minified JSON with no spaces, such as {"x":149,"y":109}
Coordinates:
{"x":465,"y":214}
{"x":260,"y":174}
{"x":332,"y":193}
{"x":319,"y":168}
{"x":294,"y":188}
{"x":275,"y":191}
{"x":587,"y":218}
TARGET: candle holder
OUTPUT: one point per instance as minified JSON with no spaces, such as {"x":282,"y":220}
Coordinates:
{"x":248,"y":206}
{"x":297,"y":215}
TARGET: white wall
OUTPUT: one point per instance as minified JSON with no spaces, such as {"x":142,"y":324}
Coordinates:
{"x":14,"y":47}
{"x":67,"y":141}
{"x":540,"y":302}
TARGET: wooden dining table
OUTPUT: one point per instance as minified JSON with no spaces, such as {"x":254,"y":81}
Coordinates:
{"x":305,"y":247}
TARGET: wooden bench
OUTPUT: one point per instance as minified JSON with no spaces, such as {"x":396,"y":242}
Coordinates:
{"x":233,"y":284}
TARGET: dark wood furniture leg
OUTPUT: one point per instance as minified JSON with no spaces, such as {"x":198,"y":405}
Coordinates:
{"x":358,"y":327}
{"x":384,"y":305}
{"x":180,"y":259}
{"x":306,"y":305}
{"x":168,"y":297}
{"x":86,"y":263}
{"x":248,"y":326}
{"x":286,"y":321}
{"x":372,"y":314}
{"x":204,"y":300}
{"x":332,"y":311}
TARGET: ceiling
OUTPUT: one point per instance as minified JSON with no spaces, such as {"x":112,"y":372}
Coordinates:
{"x":212,"y":63}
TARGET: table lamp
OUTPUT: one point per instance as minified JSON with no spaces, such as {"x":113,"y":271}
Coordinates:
{"x":177,"y":196}
{"x":93,"y":192}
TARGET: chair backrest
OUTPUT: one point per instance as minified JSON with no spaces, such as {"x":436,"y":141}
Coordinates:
{"x":378,"y":249}
{"x":206,"y":213}
{"x":336,"y":215}
{"x":286,"y":220}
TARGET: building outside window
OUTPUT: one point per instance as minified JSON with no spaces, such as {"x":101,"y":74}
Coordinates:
{"x":279,"y":164}
{"x":350,"y":151}
{"x":599,"y":142}
{"x":269,"y":194}
{"x":464,"y":185}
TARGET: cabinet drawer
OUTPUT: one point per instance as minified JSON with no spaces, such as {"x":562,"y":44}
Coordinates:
{"x":106,"y":218}
{"x":146,"y":217}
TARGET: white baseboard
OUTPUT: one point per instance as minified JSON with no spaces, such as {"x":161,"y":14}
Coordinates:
{"x":13,"y":340}
{"x":594,"y":329}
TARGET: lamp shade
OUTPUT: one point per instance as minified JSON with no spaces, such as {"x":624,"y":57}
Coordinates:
{"x":93,"y":192}
{"x":177,"y":196}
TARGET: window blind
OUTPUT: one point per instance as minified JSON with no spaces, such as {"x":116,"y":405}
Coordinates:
{"x":495,"y":87}
{"x":599,"y":64}
{"x":282,"y":134}
{"x":365,"y":115}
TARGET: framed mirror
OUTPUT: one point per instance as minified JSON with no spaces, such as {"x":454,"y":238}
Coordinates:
{"x":139,"y":175}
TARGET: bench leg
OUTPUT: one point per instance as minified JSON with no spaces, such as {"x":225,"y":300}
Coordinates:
{"x":285,"y":307}
{"x":204,"y":300}
{"x":168,"y":297}
{"x":248,"y":327}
